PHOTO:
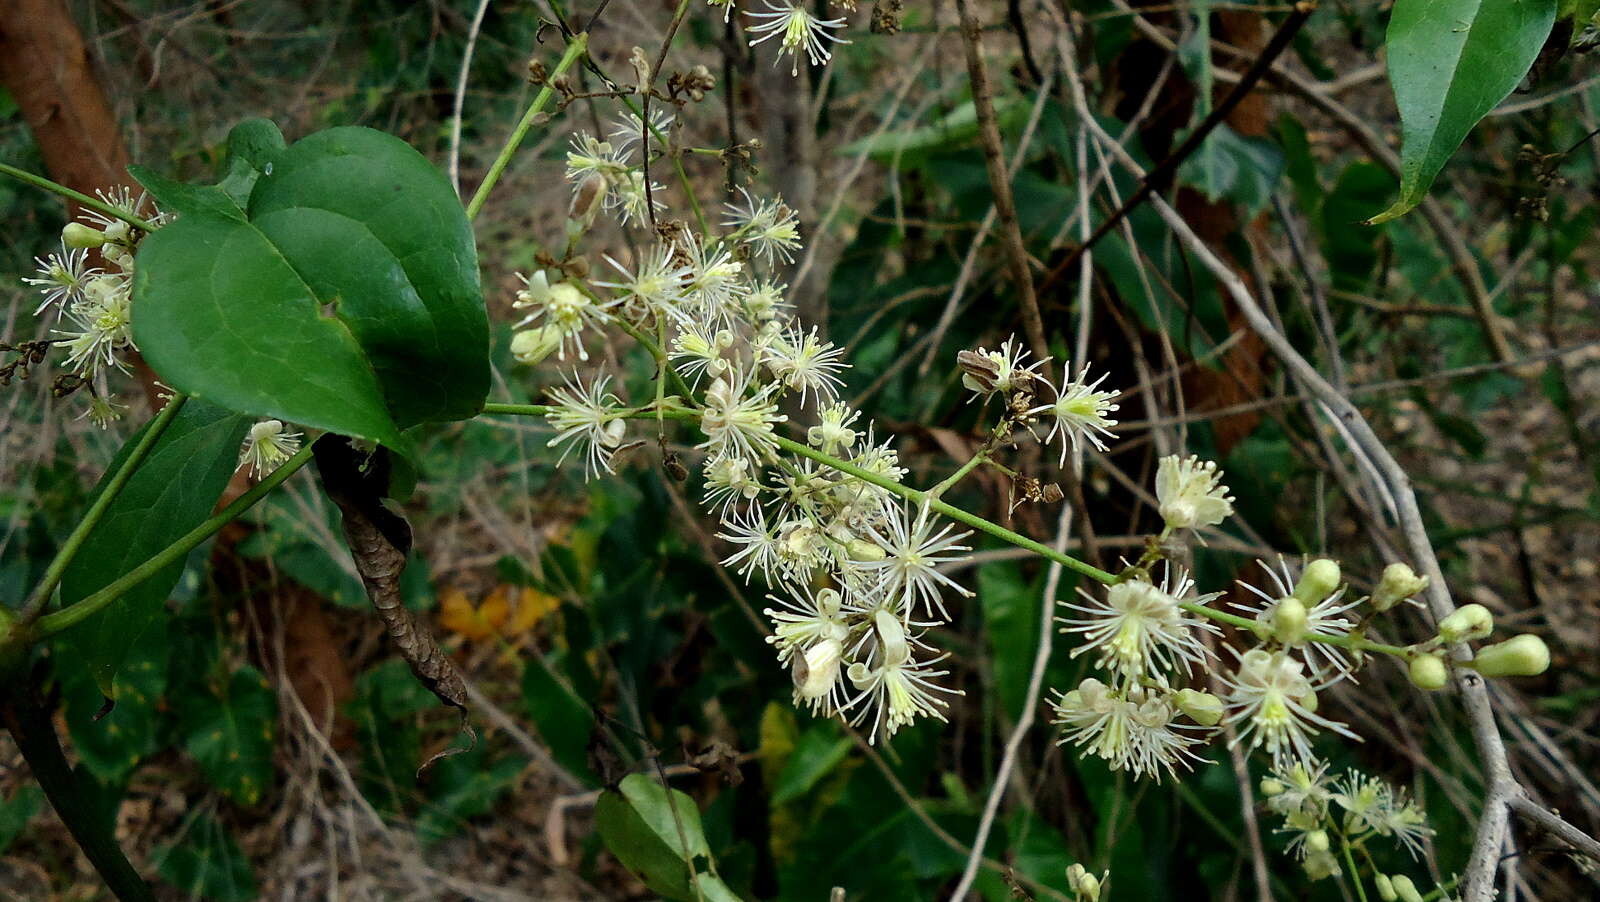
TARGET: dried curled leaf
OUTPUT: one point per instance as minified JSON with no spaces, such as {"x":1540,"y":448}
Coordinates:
{"x":379,"y":540}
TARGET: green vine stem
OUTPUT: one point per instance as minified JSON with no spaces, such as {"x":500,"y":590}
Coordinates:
{"x":930,"y":498}
{"x":84,"y":200}
{"x":575,"y":51}
{"x":58,"y":567}
{"x":74,"y":614}
{"x":35,"y":735}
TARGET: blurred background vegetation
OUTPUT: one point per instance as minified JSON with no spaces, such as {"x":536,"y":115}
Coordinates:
{"x":267,"y":745}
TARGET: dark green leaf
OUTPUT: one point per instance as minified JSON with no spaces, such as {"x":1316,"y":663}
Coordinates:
{"x":1229,"y":166}
{"x":655,"y":835}
{"x":816,"y":754}
{"x":230,"y":735}
{"x":1450,"y":63}
{"x":343,"y":297}
{"x":16,"y":811}
{"x":207,"y":864}
{"x":169,"y":494}
{"x":562,"y":718}
{"x":111,"y":743}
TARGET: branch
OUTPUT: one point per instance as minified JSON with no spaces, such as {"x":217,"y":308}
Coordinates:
{"x":1164,"y":170}
{"x":994,"y":160}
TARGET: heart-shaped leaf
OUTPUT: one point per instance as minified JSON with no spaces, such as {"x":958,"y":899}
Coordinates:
{"x":343,"y":296}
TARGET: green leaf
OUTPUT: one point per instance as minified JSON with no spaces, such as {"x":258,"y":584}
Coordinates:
{"x":111,"y":743}
{"x":640,"y":823}
{"x":230,"y":735}
{"x":372,"y":224}
{"x":1229,"y":166}
{"x":562,"y":718}
{"x":16,"y":811}
{"x":172,"y":492}
{"x":207,"y":864}
{"x":818,"y":752}
{"x":1450,"y":63}
{"x":343,"y":295}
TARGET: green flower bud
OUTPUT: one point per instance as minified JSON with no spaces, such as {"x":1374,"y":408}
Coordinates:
{"x":1404,"y":889}
{"x":1309,"y":701}
{"x":1317,"y":841}
{"x":1471,"y":621}
{"x":76,"y":234}
{"x":1318,"y":582}
{"x":1289,"y":620}
{"x":1321,"y":864}
{"x":1428,"y":671}
{"x":1271,"y":787}
{"x":1385,"y":888}
{"x":863,"y":550}
{"x":1398,"y":583}
{"x":1083,"y":884}
{"x":533,"y":345}
{"x":1202,"y":707}
{"x":1524,"y":655}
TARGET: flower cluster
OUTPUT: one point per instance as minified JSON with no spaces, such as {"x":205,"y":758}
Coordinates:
{"x":1307,"y":800}
{"x":93,"y":306}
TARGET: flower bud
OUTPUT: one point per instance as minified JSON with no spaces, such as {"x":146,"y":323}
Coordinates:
{"x":1471,"y":621}
{"x":533,"y":345}
{"x":78,"y":235}
{"x":1309,"y":701}
{"x":586,"y":201}
{"x":1398,"y":583}
{"x":1428,"y":671}
{"x":1524,"y":655}
{"x":865,"y":550}
{"x":1289,"y":620}
{"x":1271,"y":787}
{"x":817,"y":670}
{"x":892,"y":635}
{"x":1385,"y":888}
{"x":1319,"y":581}
{"x":1083,"y":884}
{"x":1317,"y":841}
{"x":1321,"y":864}
{"x":1404,"y":889}
{"x":1202,"y":707}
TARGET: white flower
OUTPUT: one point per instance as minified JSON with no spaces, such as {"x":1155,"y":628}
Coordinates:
{"x":764,"y":302}
{"x":913,"y":552}
{"x":716,"y":281}
{"x":769,"y":228}
{"x":895,"y":693}
{"x":986,"y":372}
{"x":1079,"y":410}
{"x":656,"y":285}
{"x":564,"y":306}
{"x":631,"y":200}
{"x":738,"y":425}
{"x":698,"y":351}
{"x":102,"y":324}
{"x":1138,"y":630}
{"x":1190,"y":493}
{"x":1325,"y":618}
{"x":757,"y":541}
{"x":1372,"y":804}
{"x":62,"y":277}
{"x":122,"y":198}
{"x":591,"y":155}
{"x":805,"y":363}
{"x":1299,"y":791}
{"x":103,"y":410}
{"x":588,"y":418}
{"x":729,"y":479}
{"x":1274,"y":700}
{"x":626,"y":133}
{"x":1131,"y":729}
{"x":833,"y":435}
{"x":796,"y":28}
{"x":267,"y":446}
{"x":802,"y":622}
